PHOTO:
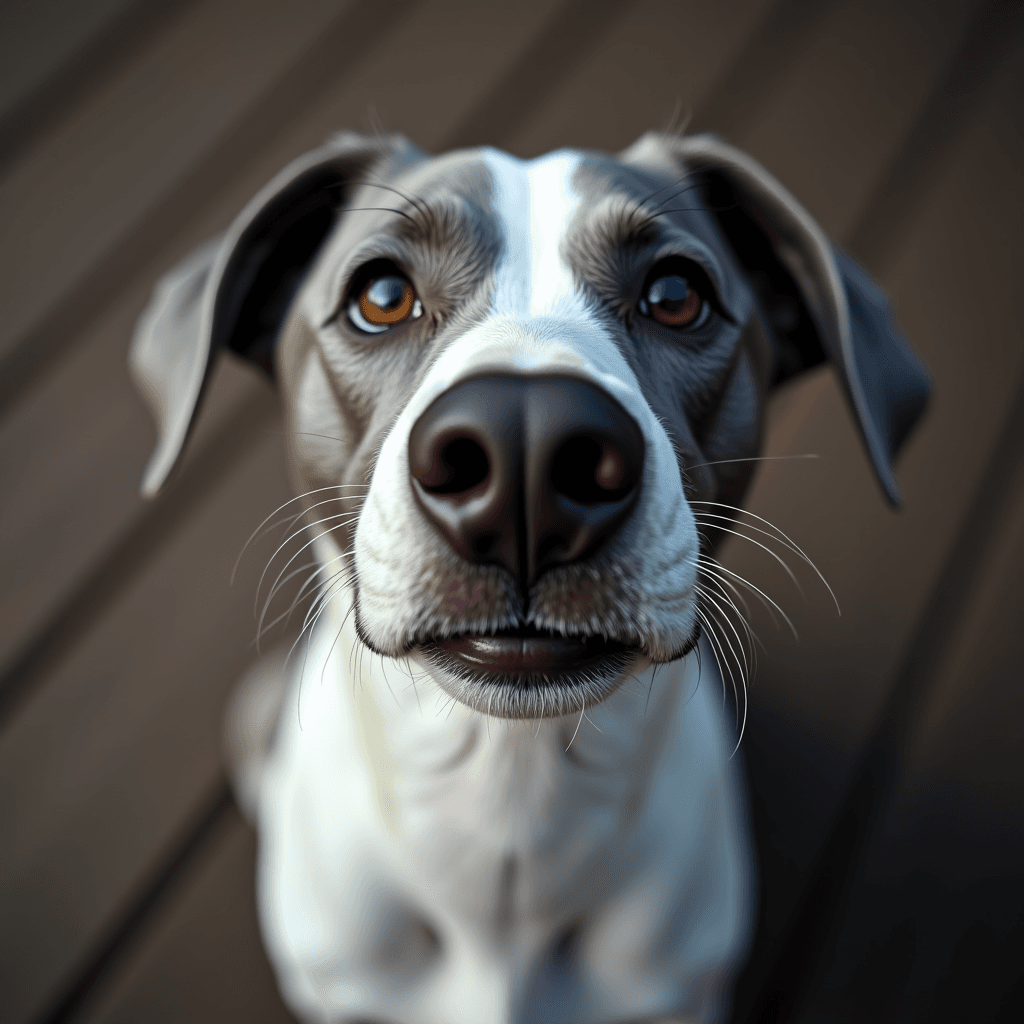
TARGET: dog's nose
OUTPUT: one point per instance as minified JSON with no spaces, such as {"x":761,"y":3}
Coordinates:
{"x":526,"y":472}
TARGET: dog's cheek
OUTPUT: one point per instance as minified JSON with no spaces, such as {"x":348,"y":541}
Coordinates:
{"x":735,"y":436}
{"x":322,"y":436}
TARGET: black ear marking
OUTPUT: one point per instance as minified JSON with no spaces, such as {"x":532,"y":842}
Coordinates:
{"x":818,"y":303}
{"x":893,"y":381}
{"x":269,"y":262}
{"x":234,"y":292}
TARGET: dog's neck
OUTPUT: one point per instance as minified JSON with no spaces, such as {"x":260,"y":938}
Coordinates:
{"x":450,"y":782}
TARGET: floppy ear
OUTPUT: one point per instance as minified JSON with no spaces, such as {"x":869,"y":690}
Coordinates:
{"x":819,"y":304}
{"x":235,"y":290}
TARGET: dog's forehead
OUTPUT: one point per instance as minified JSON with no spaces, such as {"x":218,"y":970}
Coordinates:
{"x":533,"y":209}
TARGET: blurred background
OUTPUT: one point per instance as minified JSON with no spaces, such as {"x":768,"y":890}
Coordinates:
{"x":884,"y":748}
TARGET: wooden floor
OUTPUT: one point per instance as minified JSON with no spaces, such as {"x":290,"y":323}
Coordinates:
{"x":883,"y":750}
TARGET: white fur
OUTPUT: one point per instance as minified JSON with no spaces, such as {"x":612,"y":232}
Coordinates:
{"x":386,"y":806}
{"x":419,"y":860}
{"x":539,"y":325}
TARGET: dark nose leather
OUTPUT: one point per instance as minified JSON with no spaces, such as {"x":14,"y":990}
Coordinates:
{"x":526,"y":472}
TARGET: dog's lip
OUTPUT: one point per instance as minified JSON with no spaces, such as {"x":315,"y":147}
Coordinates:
{"x":527,"y":650}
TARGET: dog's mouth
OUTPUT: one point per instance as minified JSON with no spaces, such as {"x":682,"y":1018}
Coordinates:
{"x":527,"y":650}
{"x":527,"y":672}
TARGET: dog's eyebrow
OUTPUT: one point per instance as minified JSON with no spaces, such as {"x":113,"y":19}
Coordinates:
{"x":630,"y":228}
{"x":630,"y":224}
{"x":426,"y":222}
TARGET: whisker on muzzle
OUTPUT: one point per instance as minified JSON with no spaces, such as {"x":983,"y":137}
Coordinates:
{"x":299,"y":497}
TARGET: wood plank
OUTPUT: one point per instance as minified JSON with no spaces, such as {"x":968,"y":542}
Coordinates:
{"x":944,"y":292}
{"x":663,"y":61}
{"x":849,"y":100}
{"x":42,"y":36}
{"x":932,"y":921}
{"x":200,"y":958}
{"x":72,"y":199}
{"x":105,"y":763}
{"x":816,"y":701}
{"x":54,"y":53}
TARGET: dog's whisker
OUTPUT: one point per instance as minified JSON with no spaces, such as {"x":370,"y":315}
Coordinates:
{"x":744,"y":669}
{"x":322,"y":597}
{"x":387,"y":682}
{"x":298,"y":597}
{"x":709,"y":574}
{"x":672,"y":184}
{"x":714,"y":567}
{"x":752,"y":458}
{"x":794,"y":546}
{"x":308,"y":565}
{"x":279,"y":549}
{"x":326,"y":437}
{"x":576,"y":730}
{"x":705,"y":518}
{"x":719,"y":653}
{"x":715,"y":598}
{"x":290,"y":610}
{"x":695,"y":209}
{"x":311,"y":526}
{"x":308,"y":543}
{"x":381,"y":209}
{"x":763,"y":547}
{"x":739,"y":662}
{"x":413,"y":200}
{"x":292,"y":520}
{"x":736,"y":595}
{"x":330,"y":651}
{"x":313,"y":615}
{"x":290,"y":501}
{"x":700,"y":672}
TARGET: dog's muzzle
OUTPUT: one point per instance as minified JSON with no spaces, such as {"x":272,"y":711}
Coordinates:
{"x":527,"y":473}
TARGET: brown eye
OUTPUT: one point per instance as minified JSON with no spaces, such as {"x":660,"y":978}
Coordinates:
{"x":673,"y":302}
{"x":384,"y":302}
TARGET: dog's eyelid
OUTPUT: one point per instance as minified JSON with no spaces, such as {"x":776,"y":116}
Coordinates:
{"x":690,"y":252}
{"x":357,"y":271}
{"x":673,"y":260}
{"x":376,"y":248}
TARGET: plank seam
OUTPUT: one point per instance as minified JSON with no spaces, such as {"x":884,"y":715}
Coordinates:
{"x":757,"y":70}
{"x":43,"y":345}
{"x":916,"y":166}
{"x":111,"y":949}
{"x":95,"y":61}
{"x":134,"y":551}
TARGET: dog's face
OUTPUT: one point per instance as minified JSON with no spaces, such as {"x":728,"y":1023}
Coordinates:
{"x":525,"y":362}
{"x":523,"y":378}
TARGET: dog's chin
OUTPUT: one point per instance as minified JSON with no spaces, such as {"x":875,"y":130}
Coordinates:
{"x":529,"y":673}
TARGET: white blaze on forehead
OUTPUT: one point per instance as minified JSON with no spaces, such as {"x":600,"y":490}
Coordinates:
{"x":535,"y":202}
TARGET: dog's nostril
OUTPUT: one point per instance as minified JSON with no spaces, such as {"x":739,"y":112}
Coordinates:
{"x":458,"y":465}
{"x":589,"y":471}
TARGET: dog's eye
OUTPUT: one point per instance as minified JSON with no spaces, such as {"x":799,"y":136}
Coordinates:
{"x":384,"y":302}
{"x":672,"y":300}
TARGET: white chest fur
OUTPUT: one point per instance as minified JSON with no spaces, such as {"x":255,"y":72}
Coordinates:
{"x":421,"y":862}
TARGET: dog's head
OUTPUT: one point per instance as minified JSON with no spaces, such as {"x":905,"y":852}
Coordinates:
{"x":540,"y":369}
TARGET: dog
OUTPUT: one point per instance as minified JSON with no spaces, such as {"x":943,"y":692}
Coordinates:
{"x":524,"y":400}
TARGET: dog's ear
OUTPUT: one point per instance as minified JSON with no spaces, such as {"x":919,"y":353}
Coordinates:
{"x":819,"y":304}
{"x":234,"y":291}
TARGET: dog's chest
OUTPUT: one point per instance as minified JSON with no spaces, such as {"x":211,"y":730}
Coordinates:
{"x":445,"y":843}
{"x":496,"y":820}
